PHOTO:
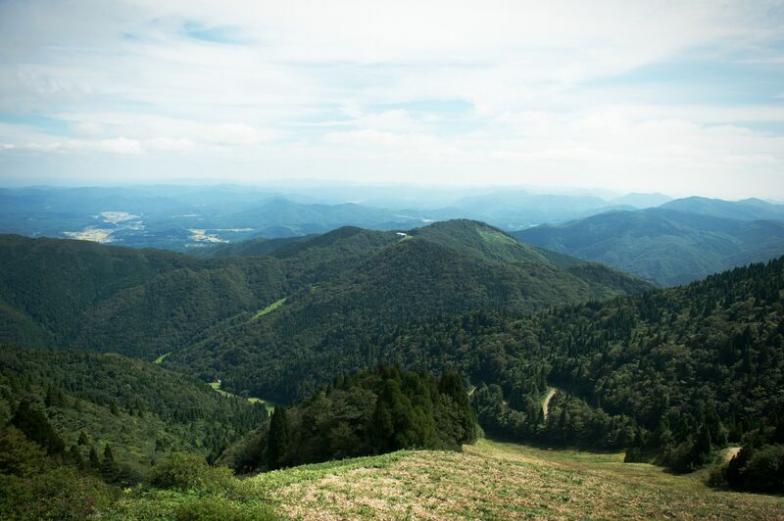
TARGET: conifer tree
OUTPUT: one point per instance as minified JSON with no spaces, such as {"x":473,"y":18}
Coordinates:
{"x":702,"y":447}
{"x":109,"y":469}
{"x":382,"y":426}
{"x":95,"y":462}
{"x":35,"y":426}
{"x":75,"y":457}
{"x":278,"y":439}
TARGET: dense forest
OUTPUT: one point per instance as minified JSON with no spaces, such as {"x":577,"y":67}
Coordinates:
{"x":147,"y":303}
{"x":77,"y":427}
{"x":671,"y":375}
{"x":93,"y":401}
{"x":370,"y":412}
{"x":434,"y":273}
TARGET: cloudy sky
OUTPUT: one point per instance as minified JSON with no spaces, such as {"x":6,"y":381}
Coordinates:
{"x":677,"y":97}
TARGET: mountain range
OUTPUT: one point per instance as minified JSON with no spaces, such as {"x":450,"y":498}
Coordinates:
{"x":659,"y":239}
{"x":187,"y":218}
{"x":537,"y":346}
{"x":673,"y":244}
{"x":147,"y":303}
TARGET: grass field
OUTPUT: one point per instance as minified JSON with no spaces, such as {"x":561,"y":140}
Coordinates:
{"x":160,"y":359}
{"x":269,"y":309}
{"x":216,"y":386}
{"x":492,"y":480}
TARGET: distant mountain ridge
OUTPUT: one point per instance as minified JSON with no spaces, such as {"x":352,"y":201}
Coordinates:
{"x":192,"y":218}
{"x":666,"y":245}
{"x":747,"y":209}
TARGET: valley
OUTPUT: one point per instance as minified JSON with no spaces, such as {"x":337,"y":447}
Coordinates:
{"x":391,"y":261}
{"x":372,"y":342}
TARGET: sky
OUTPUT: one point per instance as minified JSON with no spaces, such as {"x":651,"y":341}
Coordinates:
{"x":656,"y":96}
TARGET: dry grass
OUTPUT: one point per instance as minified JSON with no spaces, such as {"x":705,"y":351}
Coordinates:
{"x":503,"y":481}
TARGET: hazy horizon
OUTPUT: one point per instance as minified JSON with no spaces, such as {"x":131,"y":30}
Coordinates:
{"x":616,"y":96}
{"x":341,"y":191}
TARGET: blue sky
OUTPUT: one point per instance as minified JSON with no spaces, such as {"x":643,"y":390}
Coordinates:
{"x":682,"y":98}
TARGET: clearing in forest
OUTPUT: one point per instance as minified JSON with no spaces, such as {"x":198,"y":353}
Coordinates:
{"x":492,"y":480}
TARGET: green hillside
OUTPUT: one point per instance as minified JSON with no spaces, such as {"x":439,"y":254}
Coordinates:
{"x":679,"y":378}
{"x":250,"y":248}
{"x":445,"y":270}
{"x":675,"y":374}
{"x":145,"y":303}
{"x":662,"y":245}
{"x":138,"y":409}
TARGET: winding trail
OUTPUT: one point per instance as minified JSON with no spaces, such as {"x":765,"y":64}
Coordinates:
{"x":546,"y":402}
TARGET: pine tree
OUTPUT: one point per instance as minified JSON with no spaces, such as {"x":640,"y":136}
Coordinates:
{"x":109,"y":469}
{"x":35,"y":426}
{"x":95,"y":462}
{"x":278,"y":439}
{"x":702,"y":448}
{"x":451,"y":384}
{"x":75,"y":457}
{"x":635,"y":452}
{"x":383,"y":427}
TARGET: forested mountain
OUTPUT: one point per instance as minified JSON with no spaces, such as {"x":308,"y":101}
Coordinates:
{"x":665,"y":246}
{"x":250,"y":248}
{"x":439,"y":271}
{"x":692,"y":367}
{"x":672,"y":373}
{"x":146,"y":303}
{"x":746,"y":209}
{"x":140,"y":410}
{"x":138,"y":302}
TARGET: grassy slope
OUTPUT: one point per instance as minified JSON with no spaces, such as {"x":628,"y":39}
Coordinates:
{"x":502,"y":481}
{"x":216,"y":386}
{"x":269,"y":309}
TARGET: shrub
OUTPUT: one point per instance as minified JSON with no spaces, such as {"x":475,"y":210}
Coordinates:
{"x":59,"y":494}
{"x":185,"y":471}
{"x":20,"y":456}
{"x":215,"y":508}
{"x":758,"y":469}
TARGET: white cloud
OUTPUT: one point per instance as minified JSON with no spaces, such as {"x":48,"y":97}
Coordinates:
{"x":333,"y":87}
{"x":169,"y":144}
{"x":120,"y":145}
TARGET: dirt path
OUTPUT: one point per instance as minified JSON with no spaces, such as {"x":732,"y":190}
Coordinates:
{"x":546,"y":402}
{"x":730,"y":453}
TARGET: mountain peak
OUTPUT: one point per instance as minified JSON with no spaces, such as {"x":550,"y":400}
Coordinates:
{"x":480,"y":240}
